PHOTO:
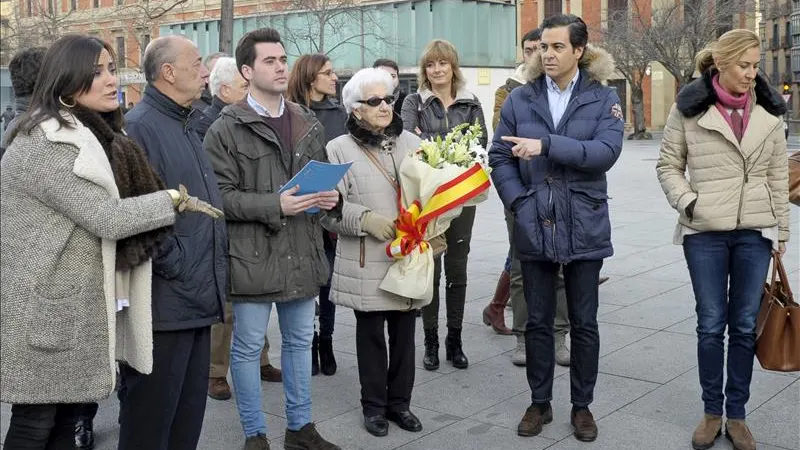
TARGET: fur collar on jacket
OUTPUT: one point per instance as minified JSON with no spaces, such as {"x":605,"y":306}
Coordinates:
{"x":697,"y":96}
{"x":368,"y":138}
{"x":596,"y":61}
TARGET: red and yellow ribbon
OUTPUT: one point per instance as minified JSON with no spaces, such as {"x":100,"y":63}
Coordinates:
{"x":412,"y":222}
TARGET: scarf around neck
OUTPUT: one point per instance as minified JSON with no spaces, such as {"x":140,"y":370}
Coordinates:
{"x":727,"y":101}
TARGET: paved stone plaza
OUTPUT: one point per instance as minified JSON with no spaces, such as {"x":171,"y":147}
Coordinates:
{"x":647,"y":395}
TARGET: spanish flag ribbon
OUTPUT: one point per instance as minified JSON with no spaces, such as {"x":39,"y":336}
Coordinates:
{"x":412,"y":222}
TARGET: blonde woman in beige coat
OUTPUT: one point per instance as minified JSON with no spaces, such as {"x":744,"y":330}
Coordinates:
{"x":377,"y":145}
{"x":726,"y":133}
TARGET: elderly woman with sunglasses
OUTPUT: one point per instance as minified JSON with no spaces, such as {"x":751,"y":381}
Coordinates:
{"x":377,"y":145}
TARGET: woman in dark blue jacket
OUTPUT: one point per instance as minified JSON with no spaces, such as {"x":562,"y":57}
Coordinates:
{"x":312,"y":83}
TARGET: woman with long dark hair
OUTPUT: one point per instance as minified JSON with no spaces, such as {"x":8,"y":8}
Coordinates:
{"x":82,"y":214}
{"x":312,"y":83}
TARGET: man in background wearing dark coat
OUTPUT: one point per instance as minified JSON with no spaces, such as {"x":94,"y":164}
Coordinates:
{"x":164,"y":410}
{"x":391,"y":67}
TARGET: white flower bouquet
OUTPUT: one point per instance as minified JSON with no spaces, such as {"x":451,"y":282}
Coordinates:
{"x":436,"y":182}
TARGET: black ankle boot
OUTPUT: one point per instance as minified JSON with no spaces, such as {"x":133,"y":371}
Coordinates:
{"x":453,"y":351}
{"x":431,"y":359}
{"x":315,"y":354}
{"x":327,"y":362}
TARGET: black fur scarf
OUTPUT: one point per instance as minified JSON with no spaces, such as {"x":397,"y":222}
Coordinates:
{"x":697,"y":96}
{"x":134,"y":177}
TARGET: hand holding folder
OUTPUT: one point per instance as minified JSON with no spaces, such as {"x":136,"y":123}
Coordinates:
{"x":308,"y":187}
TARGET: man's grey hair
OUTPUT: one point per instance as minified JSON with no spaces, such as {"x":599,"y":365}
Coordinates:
{"x":223,"y":74}
{"x":353,"y":91}
{"x":214,"y":56}
{"x":158,"y":52}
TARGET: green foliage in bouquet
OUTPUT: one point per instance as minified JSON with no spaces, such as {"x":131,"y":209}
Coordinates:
{"x":460,"y":147}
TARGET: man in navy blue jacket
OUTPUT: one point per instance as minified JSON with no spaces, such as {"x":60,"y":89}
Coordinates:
{"x":558,"y":136}
{"x":164,"y":410}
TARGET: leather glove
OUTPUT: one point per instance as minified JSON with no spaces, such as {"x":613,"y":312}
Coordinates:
{"x":184,"y":202}
{"x":438,"y":245}
{"x":378,"y":226}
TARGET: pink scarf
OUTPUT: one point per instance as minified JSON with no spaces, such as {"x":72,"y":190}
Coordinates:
{"x":726,"y":101}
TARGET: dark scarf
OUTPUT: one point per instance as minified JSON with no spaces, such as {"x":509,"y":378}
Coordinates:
{"x":369,"y":138}
{"x":133,"y":175}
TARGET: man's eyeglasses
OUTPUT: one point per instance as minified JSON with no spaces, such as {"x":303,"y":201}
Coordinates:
{"x":376,"y":101}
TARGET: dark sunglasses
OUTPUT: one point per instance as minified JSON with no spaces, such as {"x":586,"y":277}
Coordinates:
{"x":376,"y":101}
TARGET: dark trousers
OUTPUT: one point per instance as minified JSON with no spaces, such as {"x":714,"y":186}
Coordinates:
{"x":581,"y":285}
{"x":458,"y":238}
{"x":386,"y":382}
{"x":727,"y":271}
{"x":327,"y":310}
{"x":87,"y":411}
{"x":164,"y":410}
{"x":42,"y":427}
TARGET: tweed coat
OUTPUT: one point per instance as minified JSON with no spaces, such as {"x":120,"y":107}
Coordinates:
{"x":60,"y":332}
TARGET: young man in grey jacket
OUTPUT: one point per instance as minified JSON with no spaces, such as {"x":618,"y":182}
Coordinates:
{"x":276,"y":248}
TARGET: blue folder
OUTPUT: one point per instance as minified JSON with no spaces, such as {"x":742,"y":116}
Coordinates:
{"x":316,"y":177}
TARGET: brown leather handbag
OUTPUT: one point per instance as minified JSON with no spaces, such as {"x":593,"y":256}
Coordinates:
{"x":778,"y":325}
{"x":794,"y":178}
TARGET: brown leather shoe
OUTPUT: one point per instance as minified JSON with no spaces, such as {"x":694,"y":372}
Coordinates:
{"x":271,"y":374}
{"x":218,"y":388}
{"x":533,"y":420}
{"x":493,"y":313}
{"x":707,"y":431}
{"x":584,"y":425}
{"x":737,"y":432}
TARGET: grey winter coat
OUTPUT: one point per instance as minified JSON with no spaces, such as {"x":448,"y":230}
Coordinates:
{"x":61,"y":217}
{"x":365,"y":189}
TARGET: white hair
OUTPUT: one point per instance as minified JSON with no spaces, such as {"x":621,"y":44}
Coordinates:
{"x":224,"y":73}
{"x":353,"y":91}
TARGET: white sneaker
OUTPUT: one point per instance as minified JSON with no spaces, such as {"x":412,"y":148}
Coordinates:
{"x":518,"y":357}
{"x":562,"y":350}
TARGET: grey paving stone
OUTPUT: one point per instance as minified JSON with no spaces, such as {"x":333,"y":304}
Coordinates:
{"x":679,"y":401}
{"x":627,"y":291}
{"x":469,"y":434}
{"x":347,"y":430}
{"x":611,"y":393}
{"x":621,"y":431}
{"x":657,"y":358}
{"x":465,"y":392}
{"x":687,"y":327}
{"x":657,"y":313}
{"x":676,"y":271}
{"x":777,"y":422}
{"x":614,"y":337}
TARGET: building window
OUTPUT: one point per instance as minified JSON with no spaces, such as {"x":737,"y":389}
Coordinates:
{"x":551,"y":8}
{"x":775,"y":35}
{"x":787,"y":67}
{"x":96,"y":3}
{"x":120,"y":2}
{"x":788,"y":33}
{"x":29,"y":4}
{"x":796,"y":63}
{"x":775,"y":70}
{"x":121,"y":51}
{"x":617,"y":13}
{"x":143,"y":46}
{"x":796,"y":29}
{"x":73,"y":5}
{"x":51,"y":6}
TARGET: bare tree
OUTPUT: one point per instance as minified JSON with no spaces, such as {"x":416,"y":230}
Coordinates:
{"x":677,"y":32}
{"x":142,"y":17}
{"x":226,"y":27}
{"x":624,"y":37}
{"x":42,"y":25}
{"x":350,"y":22}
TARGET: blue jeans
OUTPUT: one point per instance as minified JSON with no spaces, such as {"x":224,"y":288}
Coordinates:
{"x":728,"y":270}
{"x":296,"y":320}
